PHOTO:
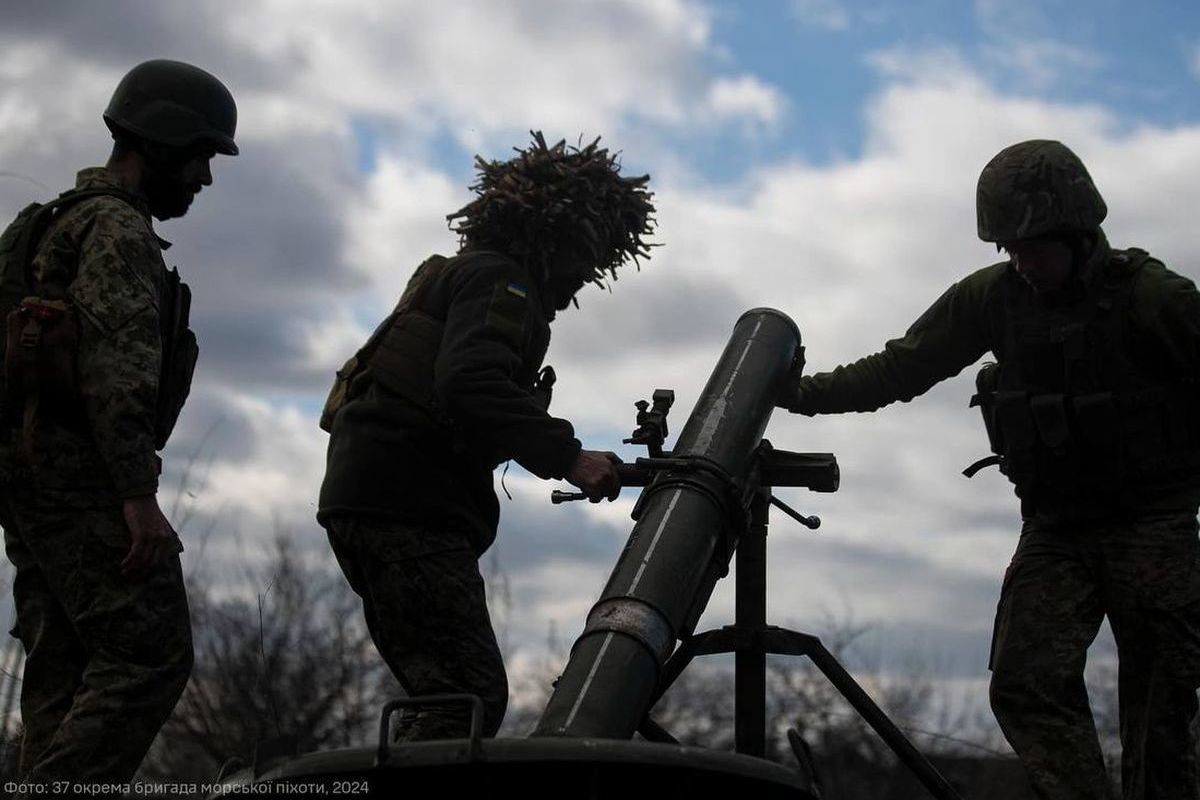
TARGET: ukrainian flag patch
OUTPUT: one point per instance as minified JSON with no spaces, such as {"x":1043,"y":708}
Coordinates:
{"x":507,"y":311}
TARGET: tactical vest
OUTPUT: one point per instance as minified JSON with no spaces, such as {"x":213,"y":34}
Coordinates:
{"x":42,"y":331}
{"x":1071,"y":410}
{"x":400,"y":354}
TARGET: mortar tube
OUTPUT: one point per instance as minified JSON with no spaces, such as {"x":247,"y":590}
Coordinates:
{"x":688,"y":524}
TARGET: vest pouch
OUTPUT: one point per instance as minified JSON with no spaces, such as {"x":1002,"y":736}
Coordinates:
{"x":404,"y":358}
{"x":175,"y":385}
{"x":179,"y":355}
{"x":1099,"y":431}
{"x":41,"y":343}
{"x":339,"y":393}
{"x":985,"y":397}
{"x":350,"y":381}
{"x":1057,"y":467}
{"x":1018,"y":434}
{"x":1049,"y":413}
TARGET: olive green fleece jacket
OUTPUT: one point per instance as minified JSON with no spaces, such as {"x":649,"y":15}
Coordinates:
{"x":392,"y":458}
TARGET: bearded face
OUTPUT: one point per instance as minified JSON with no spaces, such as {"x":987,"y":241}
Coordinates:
{"x":170,"y":184}
{"x":577,"y":263}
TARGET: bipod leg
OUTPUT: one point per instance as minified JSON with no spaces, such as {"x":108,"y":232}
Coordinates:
{"x":653,"y":732}
{"x":892,"y":736}
{"x":671,"y":671}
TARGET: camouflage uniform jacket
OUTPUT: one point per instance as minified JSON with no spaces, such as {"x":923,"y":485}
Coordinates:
{"x":106,"y":253}
{"x":972,"y":318}
{"x":423,"y":449}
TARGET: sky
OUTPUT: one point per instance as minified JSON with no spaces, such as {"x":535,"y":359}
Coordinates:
{"x":814,"y":156}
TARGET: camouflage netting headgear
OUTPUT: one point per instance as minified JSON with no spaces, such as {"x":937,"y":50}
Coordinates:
{"x":1035,"y":188}
{"x":549,"y":201}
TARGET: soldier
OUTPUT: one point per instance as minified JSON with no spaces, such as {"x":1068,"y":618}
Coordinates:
{"x":1091,"y":410}
{"x":447,"y":388}
{"x":98,"y":363}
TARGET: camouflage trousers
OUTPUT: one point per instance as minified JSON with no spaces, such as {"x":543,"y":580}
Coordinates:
{"x":105,"y":659}
{"x":1063,"y":580}
{"x":427,"y":613}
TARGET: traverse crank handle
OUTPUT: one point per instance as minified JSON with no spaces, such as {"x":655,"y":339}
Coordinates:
{"x":812,"y":523}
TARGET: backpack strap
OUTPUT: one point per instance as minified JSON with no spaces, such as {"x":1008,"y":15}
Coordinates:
{"x":31,"y":235}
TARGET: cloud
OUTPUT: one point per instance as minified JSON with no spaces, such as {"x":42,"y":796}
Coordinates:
{"x":1023,"y":47}
{"x":1014,"y":16}
{"x":822,"y":14}
{"x":479,"y":70}
{"x":1043,"y":64}
{"x":745,"y":98}
{"x":397,"y":221}
{"x":261,"y":461}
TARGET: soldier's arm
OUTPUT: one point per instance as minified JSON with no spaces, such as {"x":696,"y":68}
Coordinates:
{"x":490,"y":317}
{"x":1166,"y":309}
{"x":949,"y":336}
{"x":116,"y":295}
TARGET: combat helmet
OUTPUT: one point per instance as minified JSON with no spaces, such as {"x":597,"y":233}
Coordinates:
{"x":1035,"y":188}
{"x":173,"y":104}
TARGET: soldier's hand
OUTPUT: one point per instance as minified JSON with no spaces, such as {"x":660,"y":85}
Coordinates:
{"x":791,"y":396}
{"x":151,"y":535}
{"x":595,"y":473}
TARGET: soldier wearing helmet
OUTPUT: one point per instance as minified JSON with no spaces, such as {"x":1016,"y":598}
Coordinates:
{"x":1091,"y":409}
{"x":449,"y":386}
{"x":98,"y":363}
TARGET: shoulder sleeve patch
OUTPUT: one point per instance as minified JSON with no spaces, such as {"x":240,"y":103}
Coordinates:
{"x":508,"y":311}
{"x":114,"y":282}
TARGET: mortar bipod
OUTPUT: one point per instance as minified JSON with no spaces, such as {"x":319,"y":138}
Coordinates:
{"x":751,"y":639}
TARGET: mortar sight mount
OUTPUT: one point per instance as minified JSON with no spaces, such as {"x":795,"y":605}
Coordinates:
{"x":817,"y":472}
